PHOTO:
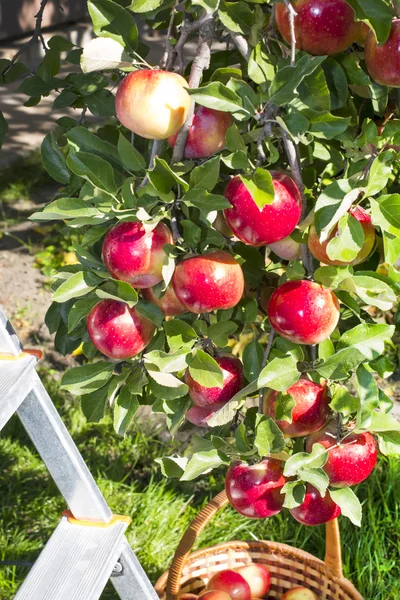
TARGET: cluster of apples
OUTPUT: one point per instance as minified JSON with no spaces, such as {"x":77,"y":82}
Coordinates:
{"x":329,"y":27}
{"x":250,"y":582}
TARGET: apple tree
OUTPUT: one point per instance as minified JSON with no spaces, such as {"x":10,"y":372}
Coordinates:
{"x":238,"y":215}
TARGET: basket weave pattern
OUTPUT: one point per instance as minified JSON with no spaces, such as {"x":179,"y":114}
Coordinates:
{"x":289,"y":567}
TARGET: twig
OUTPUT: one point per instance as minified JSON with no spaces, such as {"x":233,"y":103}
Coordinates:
{"x":292,"y":15}
{"x":241,"y":44}
{"x":37,"y":34}
{"x":200,"y":63}
{"x":168,"y":45}
{"x":176,"y":54}
{"x":396,"y":8}
{"x":174,"y":226}
{"x":264,"y":362}
{"x":154,"y":151}
{"x":83,"y":114}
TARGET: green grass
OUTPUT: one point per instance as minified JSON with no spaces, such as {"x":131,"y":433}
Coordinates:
{"x":24,"y":176}
{"x":30,"y":506}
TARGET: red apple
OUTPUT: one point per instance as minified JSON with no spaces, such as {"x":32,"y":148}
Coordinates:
{"x":134,"y":255}
{"x":303,"y":312}
{"x":318,"y":249}
{"x":214,"y":595}
{"x":383,"y":60}
{"x":232,"y":583}
{"x":255,"y":490}
{"x":168,"y":302}
{"x":349,"y":462}
{"x":274,"y":222}
{"x":210,"y":282}
{"x":287,"y":249}
{"x":321,"y":26}
{"x":310,"y":412}
{"x":118,"y":331}
{"x":152,"y":103}
{"x":190,"y":596}
{"x":199,"y":415}
{"x":299,"y":593}
{"x":314,"y":509}
{"x":233,"y":382}
{"x":207,"y":133}
{"x":361,"y":32}
{"x":258,"y":577}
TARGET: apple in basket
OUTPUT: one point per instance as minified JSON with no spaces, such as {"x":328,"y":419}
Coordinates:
{"x":258,"y":577}
{"x":214,"y":595}
{"x":232,"y":583}
{"x":188,"y":596}
{"x":299,"y":593}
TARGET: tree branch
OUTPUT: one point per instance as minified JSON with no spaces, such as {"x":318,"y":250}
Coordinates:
{"x":176,"y":55}
{"x":154,"y":151}
{"x":241,"y":44}
{"x":292,"y":15}
{"x":37,"y":34}
{"x":168,"y":45}
{"x":264,"y":362}
{"x":200,"y":63}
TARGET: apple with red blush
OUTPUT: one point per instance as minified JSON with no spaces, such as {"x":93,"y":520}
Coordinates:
{"x":299,"y":593}
{"x":232,"y":583}
{"x":207,"y":133}
{"x":152,"y":103}
{"x":135,"y":255}
{"x":214,"y":595}
{"x":383,"y":60}
{"x":321,"y":26}
{"x":233,"y":382}
{"x":168,"y":303}
{"x":212,"y":281}
{"x":315,"y":509}
{"x":258,"y":577}
{"x":199,"y":415}
{"x":351,"y":460}
{"x":287,"y":249}
{"x":274,"y":222}
{"x":303,"y":312}
{"x":319,"y":249}
{"x":255,"y":490}
{"x":310,"y":412}
{"x":118,"y":331}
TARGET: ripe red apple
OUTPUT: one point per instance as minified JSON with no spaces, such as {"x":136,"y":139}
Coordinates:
{"x":152,"y":103}
{"x":274,"y":222}
{"x":314,"y":509}
{"x":209,"y":282}
{"x":318,"y":249}
{"x":258,"y":577}
{"x":321,"y":26}
{"x":199,"y":415}
{"x":310,"y":412}
{"x":214,"y":595}
{"x":255,"y":490}
{"x":233,"y":382}
{"x":287,"y":249}
{"x":299,"y":593}
{"x":117,"y":330}
{"x":134,"y":255}
{"x":383,"y":60}
{"x":168,"y":302}
{"x":303,"y":311}
{"x":232,"y":583}
{"x":207,"y":133}
{"x":349,"y":462}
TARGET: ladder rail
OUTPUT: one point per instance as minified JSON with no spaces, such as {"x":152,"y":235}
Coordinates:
{"x":132,"y":583}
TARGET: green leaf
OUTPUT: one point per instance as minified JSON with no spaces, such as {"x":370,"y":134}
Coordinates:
{"x":111,"y":20}
{"x":238,"y":17}
{"x":206,"y":175}
{"x":327,"y":126}
{"x":241,"y":440}
{"x":304,"y":460}
{"x":337,"y":83}
{"x":295,"y":492}
{"x":167,"y":362}
{"x":347,"y":244}
{"x":379,"y":174}
{"x":287,"y":79}
{"x":326,"y":349}
{"x":118,"y":290}
{"x":313,"y":93}
{"x":260,"y":187}
{"x":234,"y":140}
{"x":79,"y":284}
{"x":376,"y":13}
{"x":164,"y":178}
{"x":369,"y":338}
{"x":279,"y":374}
{"x":36,"y":87}
{"x":383,"y":422}
{"x":130,"y":157}
{"x":342,"y":401}
{"x":50,"y":65}
{"x":3,"y":129}
{"x":103,"y":54}
{"x":172,"y":466}
{"x":150,"y":311}
{"x":202,"y":462}
{"x":125,"y":409}
{"x":370,"y":290}
{"x":166,"y":385}
{"x":81,"y":138}
{"x":252,"y":360}
{"x":332,"y":277}
{"x":368,"y":395}
{"x":205,"y":370}
{"x":349,"y":504}
{"x":285,"y":404}
{"x":317,"y":478}
{"x":87,"y":378}
{"x":54,"y":160}
{"x":269,"y":438}
{"x":205,"y":201}
{"x":219,"y":97}
{"x":386,"y":212}
{"x":65,"y":209}
{"x":93,"y":405}
{"x":94,"y":169}
{"x":332,"y":205}
{"x":260,"y":67}
{"x":226,"y":413}
{"x":219,"y":332}
{"x":79,"y":311}
{"x":101,"y":103}
{"x":389,"y":444}
{"x":179,"y":334}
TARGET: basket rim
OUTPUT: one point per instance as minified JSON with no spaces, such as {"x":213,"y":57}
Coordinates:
{"x":277,"y":547}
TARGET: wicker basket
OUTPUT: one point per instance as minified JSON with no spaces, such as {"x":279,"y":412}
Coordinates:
{"x":289,"y":567}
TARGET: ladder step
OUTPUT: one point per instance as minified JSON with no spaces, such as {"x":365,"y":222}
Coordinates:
{"x":76,"y":562}
{"x":16,"y":381}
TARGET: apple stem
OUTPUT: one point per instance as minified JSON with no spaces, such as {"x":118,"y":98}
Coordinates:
{"x":264,"y":362}
{"x":292,"y":15}
{"x":200,"y":62}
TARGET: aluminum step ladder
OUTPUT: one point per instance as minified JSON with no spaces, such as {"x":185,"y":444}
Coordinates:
{"x":89,"y":546}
